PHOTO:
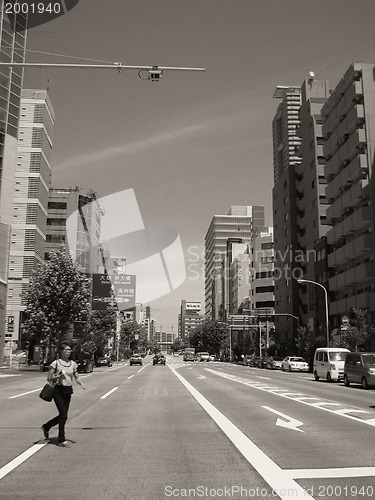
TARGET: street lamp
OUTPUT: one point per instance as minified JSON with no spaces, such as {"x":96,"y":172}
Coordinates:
{"x":301,"y":281}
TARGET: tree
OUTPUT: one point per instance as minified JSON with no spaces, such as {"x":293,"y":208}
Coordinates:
{"x":359,"y":331}
{"x":58,"y":294}
{"x":133,"y":337}
{"x":101,"y":328}
{"x":210,"y":336}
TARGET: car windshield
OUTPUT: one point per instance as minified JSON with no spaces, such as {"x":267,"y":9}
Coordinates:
{"x":299,"y":360}
{"x":337,"y":356}
{"x":369,"y":359}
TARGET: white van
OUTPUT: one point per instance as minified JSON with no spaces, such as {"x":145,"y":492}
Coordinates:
{"x":329,"y":363}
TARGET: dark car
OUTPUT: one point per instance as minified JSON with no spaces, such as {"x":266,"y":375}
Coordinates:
{"x":104,"y":361}
{"x":136,"y":359}
{"x":158,"y":359}
{"x":85,"y":366}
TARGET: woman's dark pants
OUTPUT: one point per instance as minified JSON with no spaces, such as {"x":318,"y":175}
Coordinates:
{"x":62,"y":398}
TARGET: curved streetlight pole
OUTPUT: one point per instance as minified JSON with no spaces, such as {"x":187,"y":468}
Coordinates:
{"x":301,"y":281}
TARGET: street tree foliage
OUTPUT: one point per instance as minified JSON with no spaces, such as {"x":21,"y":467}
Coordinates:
{"x":100,"y":329}
{"x":359,"y":331}
{"x":210,"y":336}
{"x":133,"y":337}
{"x":57,"y":295}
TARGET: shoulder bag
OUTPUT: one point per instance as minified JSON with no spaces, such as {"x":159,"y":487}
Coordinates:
{"x":49,"y":389}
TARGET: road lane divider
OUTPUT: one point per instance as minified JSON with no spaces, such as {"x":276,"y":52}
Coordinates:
{"x":343,"y":411}
{"x":25,"y":393}
{"x":20,"y":459}
{"x":278,"y":480}
{"x":109,"y":393}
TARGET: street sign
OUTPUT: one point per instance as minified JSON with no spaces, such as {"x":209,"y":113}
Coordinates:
{"x":123,"y":286}
{"x":101,"y":292}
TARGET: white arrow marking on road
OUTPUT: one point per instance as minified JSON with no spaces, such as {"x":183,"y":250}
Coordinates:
{"x":291,"y":423}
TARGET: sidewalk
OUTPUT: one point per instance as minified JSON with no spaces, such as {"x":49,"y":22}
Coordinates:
{"x":22,"y":368}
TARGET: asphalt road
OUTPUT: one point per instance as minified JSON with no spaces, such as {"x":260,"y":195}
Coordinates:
{"x":189,"y":430}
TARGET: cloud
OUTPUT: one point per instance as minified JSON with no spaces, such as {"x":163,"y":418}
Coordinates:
{"x":110,"y":153}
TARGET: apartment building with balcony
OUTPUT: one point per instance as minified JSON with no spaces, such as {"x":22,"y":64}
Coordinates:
{"x":286,"y":143}
{"x":30,"y":200}
{"x":311,"y":203}
{"x":299,"y":204}
{"x":349,"y":142}
{"x":13,"y":34}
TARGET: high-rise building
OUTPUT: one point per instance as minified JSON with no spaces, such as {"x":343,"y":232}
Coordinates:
{"x":311,"y":203}
{"x":62,"y":203}
{"x":12,"y":49}
{"x":299,"y":203}
{"x":30,"y":201}
{"x":349,"y":147}
{"x":189,"y":318}
{"x":262,"y":273}
{"x":240,"y":224}
{"x":286,"y":143}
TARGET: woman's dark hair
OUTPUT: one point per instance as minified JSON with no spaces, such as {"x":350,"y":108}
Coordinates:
{"x":65,"y":344}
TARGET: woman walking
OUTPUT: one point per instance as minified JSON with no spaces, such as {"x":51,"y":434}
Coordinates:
{"x":61,"y":373}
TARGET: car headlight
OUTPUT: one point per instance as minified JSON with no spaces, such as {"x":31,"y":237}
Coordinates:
{"x":371,"y":371}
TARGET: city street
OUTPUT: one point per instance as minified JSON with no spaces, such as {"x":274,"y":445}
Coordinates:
{"x":210,"y":430}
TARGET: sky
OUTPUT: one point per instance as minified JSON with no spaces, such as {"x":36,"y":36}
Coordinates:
{"x":194,"y":143}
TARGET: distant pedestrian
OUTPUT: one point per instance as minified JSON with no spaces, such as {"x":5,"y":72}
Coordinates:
{"x":61,"y":372}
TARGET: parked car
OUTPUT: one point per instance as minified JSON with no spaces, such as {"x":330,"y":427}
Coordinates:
{"x":329,"y":363}
{"x":85,"y":366}
{"x":136,"y":359}
{"x":274,"y":363}
{"x":294,"y":363}
{"x":158,"y":359}
{"x":104,"y":361}
{"x":360,"y":369}
{"x":212,"y":357}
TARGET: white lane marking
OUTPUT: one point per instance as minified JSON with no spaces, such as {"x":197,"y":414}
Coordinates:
{"x":330,"y":473}
{"x":261,"y":376}
{"x":21,"y":458}
{"x":25,"y":393}
{"x":131,"y":376}
{"x":344,"y":412}
{"x":109,"y":393}
{"x":40,"y":388}
{"x":272,"y":474}
{"x":143,"y":367}
{"x":291,"y":423}
{"x":3,"y":375}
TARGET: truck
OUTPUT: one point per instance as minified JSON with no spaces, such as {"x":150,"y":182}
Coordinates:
{"x":189,"y":354}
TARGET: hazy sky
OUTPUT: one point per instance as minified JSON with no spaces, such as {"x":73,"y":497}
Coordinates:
{"x":192,"y":144}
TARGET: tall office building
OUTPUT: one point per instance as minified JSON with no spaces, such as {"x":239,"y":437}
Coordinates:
{"x":189,"y":318}
{"x":239,"y":225}
{"x":311,"y":203}
{"x":299,"y":203}
{"x":286,"y":143}
{"x":30,"y":200}
{"x":12,"y":49}
{"x":62,"y":203}
{"x":349,"y":147}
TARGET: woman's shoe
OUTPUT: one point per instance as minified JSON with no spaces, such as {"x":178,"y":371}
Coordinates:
{"x":63,"y":443}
